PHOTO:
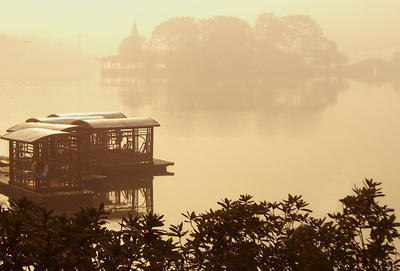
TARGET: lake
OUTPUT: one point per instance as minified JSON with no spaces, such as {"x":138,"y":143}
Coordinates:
{"x":227,"y":137}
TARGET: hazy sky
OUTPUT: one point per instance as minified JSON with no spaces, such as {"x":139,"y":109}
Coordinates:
{"x":100,"y":25}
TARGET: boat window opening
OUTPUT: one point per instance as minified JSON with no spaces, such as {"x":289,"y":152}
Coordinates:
{"x":23,"y":150}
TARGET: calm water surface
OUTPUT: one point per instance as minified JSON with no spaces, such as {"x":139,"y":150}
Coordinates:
{"x":232,"y":137}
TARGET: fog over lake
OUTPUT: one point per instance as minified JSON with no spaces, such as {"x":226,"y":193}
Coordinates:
{"x":315,"y":142}
{"x":276,"y":99}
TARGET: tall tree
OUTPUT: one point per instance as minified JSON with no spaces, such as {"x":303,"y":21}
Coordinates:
{"x":228,"y":43}
{"x":177,"y":42}
{"x":269,"y":31}
{"x":305,"y":37}
{"x":174,"y":34}
{"x":297,"y":35}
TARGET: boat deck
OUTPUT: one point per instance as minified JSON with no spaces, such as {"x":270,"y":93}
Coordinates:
{"x":157,"y":168}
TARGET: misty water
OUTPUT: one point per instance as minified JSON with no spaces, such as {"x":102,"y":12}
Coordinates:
{"x":227,"y":137}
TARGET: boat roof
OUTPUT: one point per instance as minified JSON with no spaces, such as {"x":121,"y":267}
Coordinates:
{"x":62,"y":120}
{"x":142,"y":122}
{"x":106,"y":115}
{"x":36,"y":128}
{"x":51,"y":126}
{"x":30,"y":135}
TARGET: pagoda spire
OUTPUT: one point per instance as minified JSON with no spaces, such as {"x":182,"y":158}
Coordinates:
{"x":134,"y":31}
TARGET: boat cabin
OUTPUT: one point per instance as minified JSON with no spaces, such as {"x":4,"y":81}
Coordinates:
{"x":116,"y":142}
{"x":41,"y":158}
{"x":61,"y":149}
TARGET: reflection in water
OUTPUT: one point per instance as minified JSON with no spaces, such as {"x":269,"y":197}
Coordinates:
{"x":316,"y":138}
{"x":125,"y":194}
{"x":220,"y":105}
{"x":227,"y":137}
{"x":234,"y":94}
{"x":121,"y":194}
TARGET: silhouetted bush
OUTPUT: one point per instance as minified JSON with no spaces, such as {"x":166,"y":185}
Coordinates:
{"x":241,"y":235}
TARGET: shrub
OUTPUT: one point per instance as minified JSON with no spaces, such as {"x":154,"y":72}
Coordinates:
{"x":241,"y":235}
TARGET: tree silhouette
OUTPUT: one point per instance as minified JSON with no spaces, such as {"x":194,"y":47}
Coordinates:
{"x":228,"y":44}
{"x":224,"y":45}
{"x":177,"y":41}
{"x":175,"y":34}
{"x":297,"y":35}
{"x":241,"y":235}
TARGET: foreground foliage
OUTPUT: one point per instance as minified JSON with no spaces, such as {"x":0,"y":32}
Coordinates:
{"x":241,"y":235}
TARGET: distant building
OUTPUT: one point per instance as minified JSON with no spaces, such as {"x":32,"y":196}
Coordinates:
{"x":134,"y":59}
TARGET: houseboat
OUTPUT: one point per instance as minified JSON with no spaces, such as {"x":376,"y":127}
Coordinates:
{"x":68,"y":155}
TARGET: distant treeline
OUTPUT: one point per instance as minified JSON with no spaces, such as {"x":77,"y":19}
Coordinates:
{"x":292,"y":45}
{"x":230,"y":46}
{"x":35,"y":60}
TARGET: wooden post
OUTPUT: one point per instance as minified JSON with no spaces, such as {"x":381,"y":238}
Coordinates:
{"x":34,"y":158}
{"x":11,"y":160}
{"x":151,"y":144}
